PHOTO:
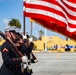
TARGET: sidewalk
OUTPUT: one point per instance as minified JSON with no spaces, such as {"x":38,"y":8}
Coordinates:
{"x":54,"y":51}
{"x":45,"y":51}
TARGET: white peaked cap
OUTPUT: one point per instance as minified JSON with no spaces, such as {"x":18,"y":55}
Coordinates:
{"x":31,"y":39}
{"x":24,"y":37}
{"x":9,"y":28}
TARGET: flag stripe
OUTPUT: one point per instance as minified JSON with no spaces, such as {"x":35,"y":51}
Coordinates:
{"x":51,"y":3}
{"x":51,"y":19}
{"x":44,"y":8}
{"x":46,"y":13}
{"x":69,"y":5}
{"x":49,"y":9}
{"x":54,"y":11}
{"x":57,"y":11}
{"x":50,"y":14}
{"x":67,"y":9}
{"x":62,"y":24}
{"x":70,"y":2}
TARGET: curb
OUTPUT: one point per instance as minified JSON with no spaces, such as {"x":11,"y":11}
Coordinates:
{"x":36,"y":51}
{"x":53,"y":51}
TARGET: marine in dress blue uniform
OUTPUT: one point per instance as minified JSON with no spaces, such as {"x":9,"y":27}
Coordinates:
{"x":25,"y":50}
{"x":11,"y":61}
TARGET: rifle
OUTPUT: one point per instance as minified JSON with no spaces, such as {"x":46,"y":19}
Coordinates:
{"x":34,"y":57}
{"x":14,"y":47}
{"x":12,"y":44}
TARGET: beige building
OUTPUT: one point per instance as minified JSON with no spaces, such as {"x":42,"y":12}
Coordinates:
{"x":1,"y":41}
{"x":49,"y":42}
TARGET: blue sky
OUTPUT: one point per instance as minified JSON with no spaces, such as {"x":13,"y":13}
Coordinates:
{"x":14,"y":9}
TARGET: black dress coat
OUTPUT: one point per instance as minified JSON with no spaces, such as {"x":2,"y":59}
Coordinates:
{"x":11,"y":62}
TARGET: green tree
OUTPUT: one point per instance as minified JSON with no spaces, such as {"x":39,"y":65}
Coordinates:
{"x":34,"y":38}
{"x":15,"y":22}
{"x":40,"y":34}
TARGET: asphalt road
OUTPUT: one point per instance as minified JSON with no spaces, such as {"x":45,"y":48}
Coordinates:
{"x":54,"y":63}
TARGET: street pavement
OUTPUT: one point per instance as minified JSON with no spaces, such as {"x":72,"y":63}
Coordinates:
{"x":54,"y":63}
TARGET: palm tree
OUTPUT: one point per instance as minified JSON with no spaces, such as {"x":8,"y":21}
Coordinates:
{"x":15,"y":22}
{"x":40,"y":34}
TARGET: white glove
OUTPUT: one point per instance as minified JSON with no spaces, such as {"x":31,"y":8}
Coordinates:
{"x":24,"y":59}
{"x":36,"y":60}
{"x":24,"y":66}
{"x":30,"y":67}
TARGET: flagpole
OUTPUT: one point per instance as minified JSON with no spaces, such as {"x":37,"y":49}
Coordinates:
{"x":24,"y":30}
{"x":24,"y":26}
{"x":45,"y":40}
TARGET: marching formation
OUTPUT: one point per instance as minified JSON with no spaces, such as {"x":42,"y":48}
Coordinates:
{"x":17,"y":54}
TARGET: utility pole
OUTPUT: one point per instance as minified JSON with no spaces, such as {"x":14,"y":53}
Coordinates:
{"x":45,"y":40}
{"x":31,"y":29}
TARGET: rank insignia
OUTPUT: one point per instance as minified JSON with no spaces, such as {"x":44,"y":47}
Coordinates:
{"x":5,"y":50}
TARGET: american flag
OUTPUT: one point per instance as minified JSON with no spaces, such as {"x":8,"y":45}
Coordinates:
{"x":58,"y":15}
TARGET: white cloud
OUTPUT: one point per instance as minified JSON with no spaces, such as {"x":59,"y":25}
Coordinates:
{"x":5,"y":21}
